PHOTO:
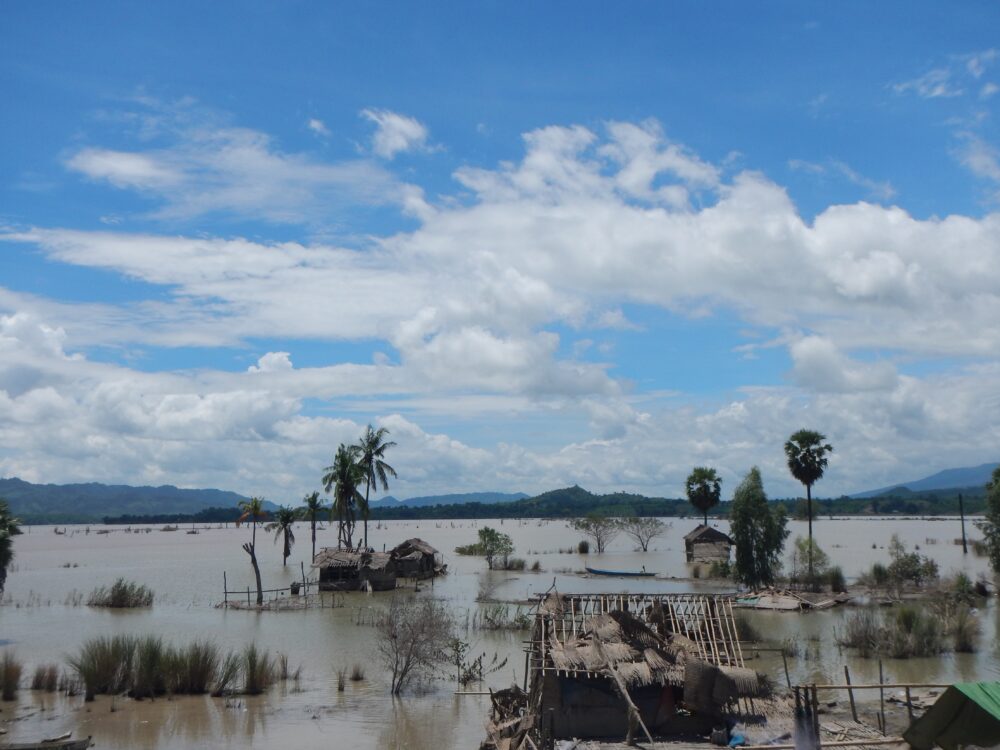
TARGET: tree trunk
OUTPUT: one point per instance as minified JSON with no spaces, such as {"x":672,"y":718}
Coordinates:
{"x":250,"y":550}
{"x":706,"y":518}
{"x":287,"y":551}
{"x":313,"y":524}
{"x":368,"y":485}
{"x":809,"y":513}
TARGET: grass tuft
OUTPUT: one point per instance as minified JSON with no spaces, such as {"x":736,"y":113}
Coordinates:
{"x":122,"y":595}
{"x":10,"y":675}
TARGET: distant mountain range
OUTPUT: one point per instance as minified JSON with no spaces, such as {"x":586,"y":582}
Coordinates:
{"x":83,"y":503}
{"x":486,"y":498}
{"x":972,"y":477}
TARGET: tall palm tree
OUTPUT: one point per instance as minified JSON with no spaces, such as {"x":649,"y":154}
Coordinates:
{"x":806,"y":452}
{"x":704,"y":488}
{"x":312,"y":506}
{"x":372,"y":448}
{"x":253,"y":510}
{"x":344,"y":476}
{"x":8,"y":528}
{"x":283,"y":527}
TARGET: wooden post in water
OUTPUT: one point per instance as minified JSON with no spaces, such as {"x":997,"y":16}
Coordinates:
{"x":961,"y":512}
{"x":788,"y":678}
{"x":881,"y":695}
{"x":850,"y":693}
{"x":225,"y":589}
{"x":909,"y":704}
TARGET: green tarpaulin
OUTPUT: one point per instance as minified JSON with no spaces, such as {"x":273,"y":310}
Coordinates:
{"x":966,"y":714}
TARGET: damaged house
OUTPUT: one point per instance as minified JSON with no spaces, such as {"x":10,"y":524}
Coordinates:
{"x":632,"y":666}
{"x":415,"y":558}
{"x":353,"y":570}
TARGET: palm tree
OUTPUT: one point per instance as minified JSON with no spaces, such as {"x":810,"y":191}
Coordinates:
{"x":806,"y":453}
{"x":311,"y":508}
{"x":704,"y":488}
{"x":372,"y":450}
{"x":253,"y":510}
{"x":344,"y":476}
{"x":282,"y":526}
{"x":8,"y":528}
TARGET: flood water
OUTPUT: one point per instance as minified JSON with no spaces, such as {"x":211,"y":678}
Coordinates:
{"x":43,"y":621}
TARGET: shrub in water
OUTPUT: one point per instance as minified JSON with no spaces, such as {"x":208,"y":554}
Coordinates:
{"x":964,"y":629}
{"x":258,"y":670}
{"x":104,"y":665}
{"x":196,"y":668}
{"x":536,"y":566}
{"x":46,"y":678}
{"x":229,"y":670}
{"x":357,"y":673}
{"x":10,"y":675}
{"x":122,"y":594}
{"x":583,"y":547}
{"x":835,"y":577}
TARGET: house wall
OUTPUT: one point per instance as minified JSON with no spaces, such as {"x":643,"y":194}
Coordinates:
{"x":708,"y":552}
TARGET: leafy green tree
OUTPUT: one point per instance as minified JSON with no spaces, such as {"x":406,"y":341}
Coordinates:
{"x":344,"y":476}
{"x":806,"y":454}
{"x":807,"y":549}
{"x":283,"y":527}
{"x":494,"y":544}
{"x":253,"y":511}
{"x":704,"y":488}
{"x":8,"y":528}
{"x":371,"y":450}
{"x":312,"y":506}
{"x":599,"y":528}
{"x":758,"y":531}
{"x":990,"y":525}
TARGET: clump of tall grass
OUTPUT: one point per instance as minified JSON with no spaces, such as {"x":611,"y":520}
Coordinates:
{"x":46,"y":677}
{"x":147,"y":667}
{"x":341,"y":680}
{"x":10,"y":675}
{"x":835,"y":577}
{"x":258,"y":670}
{"x":121,"y":595}
{"x":104,"y":665}
{"x":901,"y":634}
{"x":228,"y":673}
{"x":583,"y":547}
{"x":195,"y":668}
{"x":964,"y":630}
{"x":357,"y":672}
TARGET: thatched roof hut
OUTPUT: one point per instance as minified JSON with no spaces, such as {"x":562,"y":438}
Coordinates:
{"x":607,"y":665}
{"x":707,"y":544}
{"x":350,"y":570}
{"x":415,"y":558}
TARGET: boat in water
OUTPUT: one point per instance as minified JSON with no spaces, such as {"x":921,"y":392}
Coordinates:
{"x":626,"y":573}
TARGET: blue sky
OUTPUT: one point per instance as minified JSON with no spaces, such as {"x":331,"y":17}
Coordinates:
{"x":543,"y":244}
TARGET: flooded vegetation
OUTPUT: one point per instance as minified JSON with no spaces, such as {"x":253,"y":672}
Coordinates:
{"x":297,"y":675}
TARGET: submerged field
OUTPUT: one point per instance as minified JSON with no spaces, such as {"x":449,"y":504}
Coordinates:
{"x":45,"y":619}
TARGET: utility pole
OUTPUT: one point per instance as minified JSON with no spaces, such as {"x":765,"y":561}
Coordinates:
{"x":961,"y":512}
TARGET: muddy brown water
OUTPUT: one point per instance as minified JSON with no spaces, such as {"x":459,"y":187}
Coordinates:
{"x":41,"y":621}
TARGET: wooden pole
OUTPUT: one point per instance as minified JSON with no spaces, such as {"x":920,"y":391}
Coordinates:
{"x":881,"y":695}
{"x":909,"y":704}
{"x":961,"y":512}
{"x":788,"y":677}
{"x":850,"y":694}
{"x":225,"y":589}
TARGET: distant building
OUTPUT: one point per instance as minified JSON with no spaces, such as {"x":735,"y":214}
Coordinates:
{"x":705,"y":544}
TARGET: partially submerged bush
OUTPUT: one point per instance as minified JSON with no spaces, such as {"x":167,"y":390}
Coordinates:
{"x":147,"y":667}
{"x":10,"y":675}
{"x":122,"y":595}
{"x":46,"y":677}
{"x":583,"y":547}
{"x":258,"y":670}
{"x":903,"y":633}
{"x":836,"y":580}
